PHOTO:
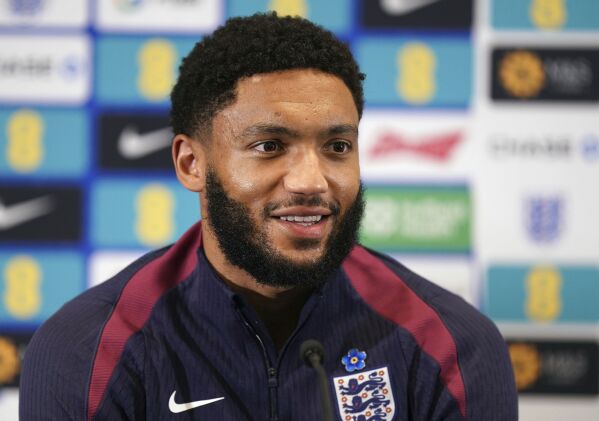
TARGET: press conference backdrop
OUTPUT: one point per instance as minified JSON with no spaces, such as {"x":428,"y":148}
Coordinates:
{"x":479,"y":147}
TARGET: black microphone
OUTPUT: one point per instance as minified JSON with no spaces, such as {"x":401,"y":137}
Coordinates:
{"x":312,"y":353}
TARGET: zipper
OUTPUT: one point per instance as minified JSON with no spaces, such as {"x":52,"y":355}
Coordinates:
{"x":273,"y":381}
{"x":271,"y":372}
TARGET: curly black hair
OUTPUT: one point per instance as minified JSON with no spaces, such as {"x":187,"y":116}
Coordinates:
{"x":244,"y":46}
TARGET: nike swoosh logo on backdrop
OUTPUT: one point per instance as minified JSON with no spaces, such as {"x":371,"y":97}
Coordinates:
{"x":19,"y":213}
{"x":133,"y":145}
{"x":403,"y":7}
{"x":181,"y":407}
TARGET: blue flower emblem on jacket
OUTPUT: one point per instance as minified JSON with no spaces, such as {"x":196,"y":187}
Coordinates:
{"x":354,"y":360}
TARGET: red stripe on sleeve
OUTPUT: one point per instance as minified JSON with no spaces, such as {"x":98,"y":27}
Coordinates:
{"x":134,"y":306}
{"x":389,"y":295}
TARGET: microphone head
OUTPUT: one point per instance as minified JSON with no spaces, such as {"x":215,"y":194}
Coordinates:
{"x":311,"y":351}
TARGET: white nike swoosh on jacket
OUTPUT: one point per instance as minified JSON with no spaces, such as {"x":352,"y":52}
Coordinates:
{"x":181,"y":407}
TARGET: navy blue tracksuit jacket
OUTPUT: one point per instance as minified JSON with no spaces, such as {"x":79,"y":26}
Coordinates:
{"x":165,"y":339}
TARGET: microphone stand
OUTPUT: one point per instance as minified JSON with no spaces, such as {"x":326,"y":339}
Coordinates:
{"x":312,"y":353}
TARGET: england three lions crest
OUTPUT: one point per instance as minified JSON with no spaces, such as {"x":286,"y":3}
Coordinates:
{"x":365,"y":396}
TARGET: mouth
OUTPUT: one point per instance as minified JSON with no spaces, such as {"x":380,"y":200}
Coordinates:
{"x":303,"y":221}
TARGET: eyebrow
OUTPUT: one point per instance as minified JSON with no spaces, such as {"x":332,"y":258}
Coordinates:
{"x":272,"y":129}
{"x":343,"y":129}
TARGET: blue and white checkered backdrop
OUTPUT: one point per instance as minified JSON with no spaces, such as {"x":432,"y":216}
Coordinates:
{"x":479,"y":147}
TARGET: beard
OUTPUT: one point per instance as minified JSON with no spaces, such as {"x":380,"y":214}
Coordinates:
{"x":245,"y":243}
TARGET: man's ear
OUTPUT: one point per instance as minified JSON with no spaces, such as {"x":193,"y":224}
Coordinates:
{"x":189,"y":157}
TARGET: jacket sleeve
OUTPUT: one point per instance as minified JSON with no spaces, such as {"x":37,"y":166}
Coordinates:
{"x":428,"y":397}
{"x":484,"y":363}
{"x":124,"y":398}
{"x":57,"y":363}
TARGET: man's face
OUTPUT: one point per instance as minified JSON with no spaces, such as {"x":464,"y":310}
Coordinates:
{"x":283,"y":181}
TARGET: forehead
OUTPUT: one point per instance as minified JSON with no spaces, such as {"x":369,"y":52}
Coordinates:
{"x":295,"y":96}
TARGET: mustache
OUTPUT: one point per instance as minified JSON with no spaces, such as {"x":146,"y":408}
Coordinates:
{"x":311,"y":201}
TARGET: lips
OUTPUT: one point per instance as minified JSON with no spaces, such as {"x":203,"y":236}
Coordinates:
{"x":301,"y":213}
{"x":304,"y":222}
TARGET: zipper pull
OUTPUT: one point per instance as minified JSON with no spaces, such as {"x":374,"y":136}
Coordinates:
{"x":272,"y":377}
{"x":272,"y":388}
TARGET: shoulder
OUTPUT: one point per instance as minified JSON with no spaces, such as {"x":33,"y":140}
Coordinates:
{"x":391,"y":289}
{"x":79,"y":320}
{"x":72,"y":358}
{"x":423,"y":308}
{"x":465,"y":344}
{"x":59,"y":358}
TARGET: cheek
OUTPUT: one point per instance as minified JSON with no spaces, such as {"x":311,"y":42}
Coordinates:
{"x":242,"y":183}
{"x":347,"y":183}
{"x":245,"y":183}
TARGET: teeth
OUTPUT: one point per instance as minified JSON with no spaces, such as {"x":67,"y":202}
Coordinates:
{"x":302,"y":219}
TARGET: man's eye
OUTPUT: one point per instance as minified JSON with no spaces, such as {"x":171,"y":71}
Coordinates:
{"x":268,"y":147}
{"x":340,"y":147}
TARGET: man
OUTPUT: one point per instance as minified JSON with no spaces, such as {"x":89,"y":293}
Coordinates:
{"x":266,"y":115}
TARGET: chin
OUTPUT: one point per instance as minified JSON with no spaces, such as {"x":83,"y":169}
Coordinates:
{"x":303,"y":256}
{"x":308,"y":245}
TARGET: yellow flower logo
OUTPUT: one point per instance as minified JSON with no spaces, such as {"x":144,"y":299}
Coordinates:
{"x":526,"y":363}
{"x":9,"y":361}
{"x":521,"y":73}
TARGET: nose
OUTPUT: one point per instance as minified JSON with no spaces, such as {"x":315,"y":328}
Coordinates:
{"x":305,"y":175}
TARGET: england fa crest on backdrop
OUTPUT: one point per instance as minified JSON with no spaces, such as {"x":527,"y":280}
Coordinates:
{"x":544,"y":218}
{"x":365,"y":396}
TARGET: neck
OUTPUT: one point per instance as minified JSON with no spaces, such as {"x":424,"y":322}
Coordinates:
{"x":279,"y":313}
{"x":278,"y":307}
